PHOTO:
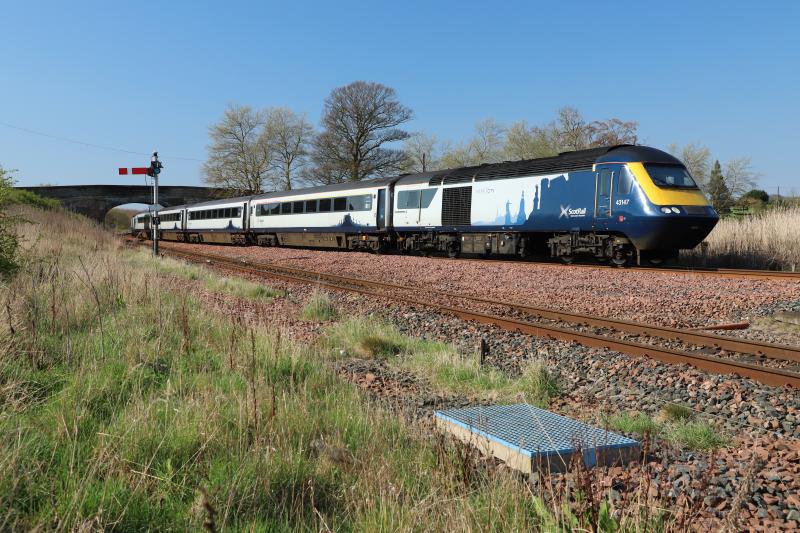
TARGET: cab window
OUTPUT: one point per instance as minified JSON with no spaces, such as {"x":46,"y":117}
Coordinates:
{"x":670,"y":176}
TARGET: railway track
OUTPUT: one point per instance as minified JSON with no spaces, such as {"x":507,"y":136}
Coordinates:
{"x":719,"y":272}
{"x":769,"y":352}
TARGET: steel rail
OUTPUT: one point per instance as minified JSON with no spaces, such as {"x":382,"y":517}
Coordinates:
{"x":766,"y":375}
{"x":731,"y":344}
{"x":711,"y":271}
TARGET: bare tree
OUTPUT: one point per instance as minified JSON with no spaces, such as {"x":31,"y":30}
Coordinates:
{"x":523,"y":142}
{"x":572,"y":131}
{"x":288,"y":137}
{"x":613,"y":131}
{"x":359,"y":120}
{"x":238,"y":157}
{"x":485,"y":146}
{"x":422,"y":153}
{"x":739,"y":176}
{"x":697,"y":159}
{"x":456,"y":155}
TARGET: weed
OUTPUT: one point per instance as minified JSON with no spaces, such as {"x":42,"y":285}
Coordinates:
{"x":637,"y":423}
{"x":695,"y":435}
{"x":380,"y":347}
{"x":318,"y":307}
{"x":674,"y":412}
{"x":538,"y":384}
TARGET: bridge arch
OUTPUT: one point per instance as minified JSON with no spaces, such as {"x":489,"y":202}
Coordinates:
{"x":94,"y":201}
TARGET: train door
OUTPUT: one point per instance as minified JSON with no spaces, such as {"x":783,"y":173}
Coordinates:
{"x":603,"y":196}
{"x":244,"y":216}
{"x":381,"y":220}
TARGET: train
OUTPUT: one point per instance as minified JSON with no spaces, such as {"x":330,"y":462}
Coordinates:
{"x":621,"y":204}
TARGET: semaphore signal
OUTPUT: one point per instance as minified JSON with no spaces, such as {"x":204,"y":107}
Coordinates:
{"x":153,"y":171}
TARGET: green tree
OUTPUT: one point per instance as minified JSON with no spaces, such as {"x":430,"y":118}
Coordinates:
{"x":9,"y":242}
{"x":717,"y":190}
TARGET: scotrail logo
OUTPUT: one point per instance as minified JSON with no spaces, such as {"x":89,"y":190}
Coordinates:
{"x":567,"y":212}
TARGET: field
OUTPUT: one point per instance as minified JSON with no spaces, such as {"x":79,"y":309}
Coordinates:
{"x":770,"y":239}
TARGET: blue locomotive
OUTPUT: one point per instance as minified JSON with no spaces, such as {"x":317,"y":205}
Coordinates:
{"x":621,"y":204}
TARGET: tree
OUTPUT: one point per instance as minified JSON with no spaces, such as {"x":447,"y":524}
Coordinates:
{"x":523,"y":142}
{"x":612,"y":132}
{"x":571,"y":130}
{"x":485,"y":146}
{"x":717,"y":190}
{"x":287,"y":137}
{"x":359,"y":120}
{"x":238,"y":156}
{"x":422,"y":153}
{"x":757,"y":194}
{"x":739,"y":176}
{"x":696,"y":157}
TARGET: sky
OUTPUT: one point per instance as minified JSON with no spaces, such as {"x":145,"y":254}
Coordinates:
{"x":139,"y":76}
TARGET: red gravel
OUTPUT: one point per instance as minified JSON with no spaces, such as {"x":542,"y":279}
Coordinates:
{"x":661,"y":298}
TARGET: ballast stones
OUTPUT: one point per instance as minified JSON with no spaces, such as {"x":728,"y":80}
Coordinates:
{"x":530,"y":439}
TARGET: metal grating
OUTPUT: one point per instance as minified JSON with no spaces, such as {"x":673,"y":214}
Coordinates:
{"x":535,"y":432}
{"x":456,"y":206}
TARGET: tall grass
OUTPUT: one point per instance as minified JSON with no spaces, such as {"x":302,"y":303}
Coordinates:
{"x":770,"y":239}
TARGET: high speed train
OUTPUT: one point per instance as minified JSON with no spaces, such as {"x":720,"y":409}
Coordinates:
{"x":620,"y":204}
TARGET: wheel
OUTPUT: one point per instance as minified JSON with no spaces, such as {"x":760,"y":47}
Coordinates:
{"x":619,"y":261}
{"x":453,"y":252}
{"x":567,"y":259}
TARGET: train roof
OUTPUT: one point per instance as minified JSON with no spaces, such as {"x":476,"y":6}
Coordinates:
{"x":563,"y":162}
{"x":334,"y":187}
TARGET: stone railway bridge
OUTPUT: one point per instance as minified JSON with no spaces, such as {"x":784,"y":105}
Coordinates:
{"x":95,"y":201}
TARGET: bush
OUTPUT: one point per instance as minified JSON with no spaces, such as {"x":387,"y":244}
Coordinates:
{"x":9,"y":243}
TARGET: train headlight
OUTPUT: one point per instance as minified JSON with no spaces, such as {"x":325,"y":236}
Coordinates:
{"x":666,"y":210}
{"x":676,"y":210}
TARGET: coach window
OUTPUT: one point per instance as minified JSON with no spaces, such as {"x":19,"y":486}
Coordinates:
{"x":408,"y":200}
{"x":324,"y":205}
{"x":362,"y":202}
{"x":625,"y":181}
{"x":426,"y":197}
{"x":286,"y":208}
{"x":298,"y":207}
{"x":274,"y":209}
{"x":340,"y":204}
{"x":311,"y":206}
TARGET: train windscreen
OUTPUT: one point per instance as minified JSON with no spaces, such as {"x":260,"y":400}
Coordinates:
{"x":670,"y":176}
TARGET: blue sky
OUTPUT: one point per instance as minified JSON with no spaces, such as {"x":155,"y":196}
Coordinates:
{"x":147,"y":75}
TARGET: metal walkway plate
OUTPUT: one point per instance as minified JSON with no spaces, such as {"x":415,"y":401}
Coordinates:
{"x":532,"y":439}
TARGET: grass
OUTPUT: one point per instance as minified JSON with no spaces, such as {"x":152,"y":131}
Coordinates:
{"x":440,"y":363}
{"x":128,"y":406}
{"x":676,"y":425}
{"x":234,"y":286}
{"x":318,"y":307}
{"x":766,"y":240}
